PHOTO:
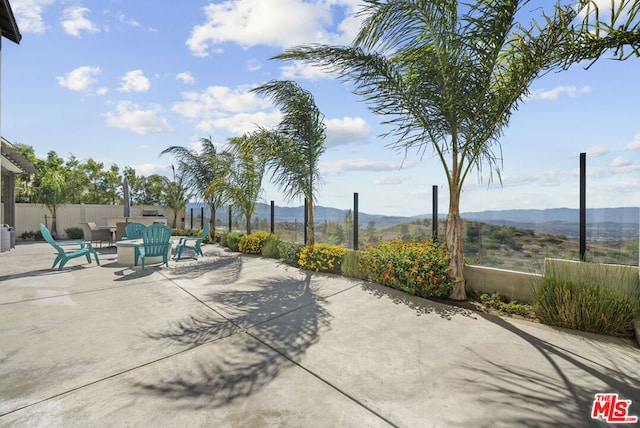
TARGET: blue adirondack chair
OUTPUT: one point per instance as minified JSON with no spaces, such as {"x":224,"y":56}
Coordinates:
{"x":134,"y":230}
{"x":64,"y":256}
{"x":192,"y":243}
{"x":155,"y":242}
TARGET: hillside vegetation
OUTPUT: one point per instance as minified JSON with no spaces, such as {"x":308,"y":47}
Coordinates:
{"x":504,"y":247}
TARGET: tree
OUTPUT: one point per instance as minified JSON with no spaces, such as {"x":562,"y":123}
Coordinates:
{"x":200,"y":169}
{"x":242,"y":183}
{"x":176,"y":196}
{"x":448,"y":76}
{"x":292,"y":151}
{"x":50,"y":187}
{"x":601,"y":32}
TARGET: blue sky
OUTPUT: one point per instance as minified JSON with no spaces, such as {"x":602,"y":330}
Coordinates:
{"x":121,"y":80}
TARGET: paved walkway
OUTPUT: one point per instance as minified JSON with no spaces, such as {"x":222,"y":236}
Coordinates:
{"x":242,"y":341}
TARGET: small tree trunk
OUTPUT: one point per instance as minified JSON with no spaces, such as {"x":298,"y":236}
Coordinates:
{"x":247,"y":223}
{"x":212,"y":224}
{"x":454,"y":246}
{"x":54,"y":225}
{"x":310,"y":237}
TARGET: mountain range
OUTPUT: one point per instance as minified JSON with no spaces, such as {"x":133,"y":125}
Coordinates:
{"x":602,"y":223}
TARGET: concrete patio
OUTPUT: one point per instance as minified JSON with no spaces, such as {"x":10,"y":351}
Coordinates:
{"x":241,"y":341}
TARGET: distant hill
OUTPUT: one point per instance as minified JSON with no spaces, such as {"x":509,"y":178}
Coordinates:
{"x":602,"y":223}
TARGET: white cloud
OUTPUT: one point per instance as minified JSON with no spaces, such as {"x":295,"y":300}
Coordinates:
{"x":123,"y":19}
{"x":219,"y":100}
{"x":133,"y":118}
{"x":186,"y":78}
{"x":390,"y":179}
{"x":253,"y":22}
{"x":635,"y":144}
{"x":79,"y":79}
{"x":241,"y":123}
{"x":28,"y":14}
{"x":74,"y":21}
{"x":337,"y":167}
{"x":348,"y":130}
{"x":598,"y":150}
{"x":620,"y":162}
{"x":148,"y":169}
{"x":254,"y":65}
{"x":302,"y":70}
{"x":556,"y":92}
{"x":134,"y":81}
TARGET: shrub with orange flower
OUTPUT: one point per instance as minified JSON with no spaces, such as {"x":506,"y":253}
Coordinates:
{"x":417,"y":267}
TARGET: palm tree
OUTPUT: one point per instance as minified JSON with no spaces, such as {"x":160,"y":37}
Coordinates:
{"x":200,"y":170}
{"x":242,"y":184}
{"x":616,"y":29}
{"x":448,"y":76}
{"x":292,"y":151}
{"x":176,"y":196}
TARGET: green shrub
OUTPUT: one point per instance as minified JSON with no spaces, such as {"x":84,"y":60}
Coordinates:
{"x":587,"y":303}
{"x":223,"y":240}
{"x":351,"y":265}
{"x":74,"y":233}
{"x":322,"y":258}
{"x":270,"y":248}
{"x":499,"y":303}
{"x":418,"y":267}
{"x":233,"y":240}
{"x":290,"y":252}
{"x":253,"y":243}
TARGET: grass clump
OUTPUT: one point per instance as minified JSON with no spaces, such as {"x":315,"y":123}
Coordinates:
{"x":270,"y":248}
{"x":497,"y":302}
{"x":351,"y":265}
{"x":595,"y":301}
{"x":290,"y":252}
{"x":233,"y":240}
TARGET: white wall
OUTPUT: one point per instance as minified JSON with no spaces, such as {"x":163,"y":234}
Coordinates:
{"x":29,"y":216}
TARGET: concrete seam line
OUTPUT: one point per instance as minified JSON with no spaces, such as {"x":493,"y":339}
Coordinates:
{"x":65,"y":294}
{"x":114,"y":375}
{"x":326,"y":382}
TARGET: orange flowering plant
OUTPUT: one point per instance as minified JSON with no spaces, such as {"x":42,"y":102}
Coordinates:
{"x":419,"y":268}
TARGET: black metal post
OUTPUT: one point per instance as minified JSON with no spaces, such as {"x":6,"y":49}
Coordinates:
{"x":355,"y":221}
{"x":434,"y":227}
{"x":583,"y":206}
{"x":306,"y":219}
{"x":273,"y":211}
{"x":201,"y":218}
{"x":191,"y":222}
{"x":230,"y":225}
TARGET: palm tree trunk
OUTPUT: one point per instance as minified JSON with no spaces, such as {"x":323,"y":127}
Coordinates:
{"x":247,"y":223}
{"x":212,"y":224}
{"x":454,"y":245}
{"x":310,"y":237}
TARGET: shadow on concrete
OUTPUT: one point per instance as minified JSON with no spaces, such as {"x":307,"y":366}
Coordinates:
{"x":284,"y":318}
{"x":43,"y":272}
{"x":557,"y":399}
{"x":418,"y":304}
{"x":225,"y":267}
